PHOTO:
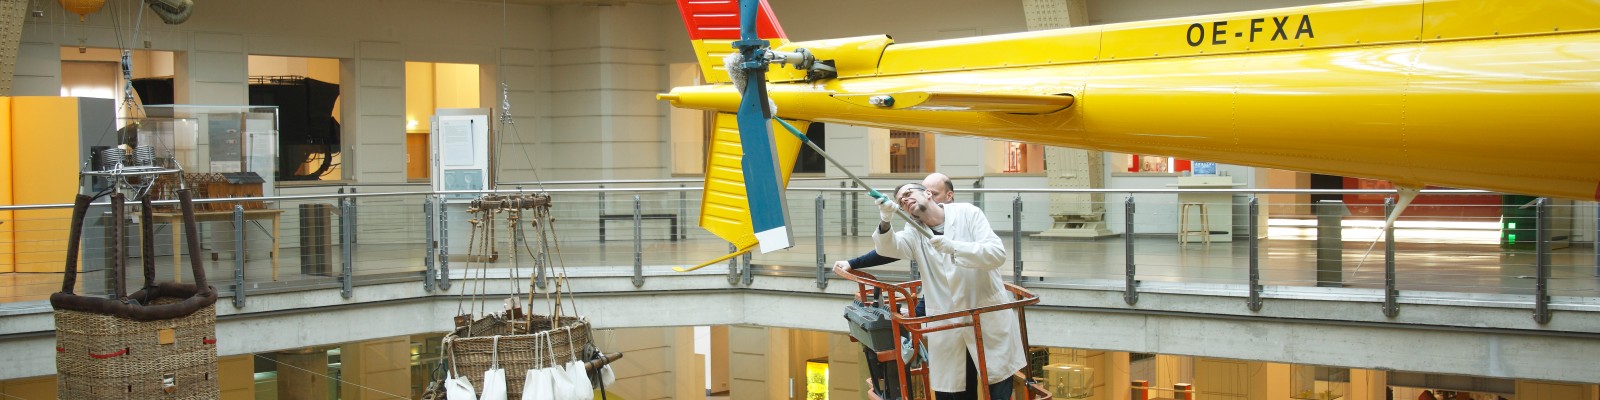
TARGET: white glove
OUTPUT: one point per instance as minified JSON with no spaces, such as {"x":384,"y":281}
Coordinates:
{"x":943,"y":246}
{"x":886,"y":208}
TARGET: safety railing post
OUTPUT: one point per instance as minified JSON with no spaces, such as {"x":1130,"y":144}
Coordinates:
{"x":1253,"y":231}
{"x":1541,"y":261}
{"x":733,"y":265}
{"x":347,"y":246}
{"x":444,"y":243}
{"x":342,"y":226}
{"x":855,"y":211}
{"x":1130,"y":291}
{"x":430,"y":247}
{"x":746,"y":276}
{"x":683,"y":209}
{"x":844,"y":202}
{"x":1330,"y":242}
{"x":354,"y":221}
{"x":1016,"y":239}
{"x":822,"y":271}
{"x":1596,"y":239}
{"x":238,"y":256}
{"x":638,"y":245}
{"x":1391,"y":294}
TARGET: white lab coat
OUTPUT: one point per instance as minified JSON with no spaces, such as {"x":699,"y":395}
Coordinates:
{"x":968,"y":279}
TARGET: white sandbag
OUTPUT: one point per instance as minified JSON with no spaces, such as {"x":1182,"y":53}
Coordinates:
{"x":581,"y":388}
{"x":536,"y":386}
{"x":606,"y":376}
{"x":494,"y":379}
{"x":457,"y":387}
{"x":579,"y":378}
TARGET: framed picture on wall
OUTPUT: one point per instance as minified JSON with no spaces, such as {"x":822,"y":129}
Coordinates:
{"x":1205,"y":168}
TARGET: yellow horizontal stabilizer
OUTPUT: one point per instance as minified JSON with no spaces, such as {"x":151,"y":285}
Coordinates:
{"x":724,"y":210}
{"x":945,"y":101}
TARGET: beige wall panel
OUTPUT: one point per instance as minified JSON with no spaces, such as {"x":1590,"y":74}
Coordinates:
{"x":43,"y":387}
{"x":390,"y":51}
{"x":578,"y":103}
{"x":573,"y":77}
{"x":376,"y":369}
{"x":382,"y":73}
{"x":636,"y":155}
{"x":38,"y":71}
{"x":218,"y":67}
{"x":687,"y":368}
{"x":391,"y":130}
{"x":575,"y":129}
{"x":381,"y":159}
{"x":847,"y":374}
{"x":1223,"y":379}
{"x":219,"y":93}
{"x":634,"y":103}
{"x":218,"y":42}
{"x":719,"y":359}
{"x":636,"y":129}
{"x":236,"y":377}
{"x":1368,"y":384}
{"x":524,"y":56}
{"x":634,"y":75}
{"x":1539,"y":390}
{"x":384,"y":101}
{"x":38,"y":59}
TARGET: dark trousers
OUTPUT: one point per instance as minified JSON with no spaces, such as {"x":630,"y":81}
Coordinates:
{"x":998,"y":391}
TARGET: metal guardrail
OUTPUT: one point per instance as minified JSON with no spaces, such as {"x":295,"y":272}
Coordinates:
{"x":393,"y":230}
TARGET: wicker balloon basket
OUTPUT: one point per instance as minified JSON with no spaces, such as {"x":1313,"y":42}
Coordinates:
{"x":155,"y":343}
{"x":522,"y":345}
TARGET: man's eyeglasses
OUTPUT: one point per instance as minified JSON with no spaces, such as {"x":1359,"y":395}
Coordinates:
{"x":906,"y":191}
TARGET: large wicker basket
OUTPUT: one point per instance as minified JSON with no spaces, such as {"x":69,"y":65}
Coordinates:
{"x":519,"y":350}
{"x":156,"y":343}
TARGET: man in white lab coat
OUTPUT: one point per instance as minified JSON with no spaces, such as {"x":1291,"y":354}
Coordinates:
{"x":960,"y":271}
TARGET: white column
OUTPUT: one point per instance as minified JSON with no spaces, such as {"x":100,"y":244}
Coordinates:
{"x":758,"y":363}
{"x":848,"y":145}
{"x":605,"y":120}
{"x":373,"y":95}
{"x":521,"y":157}
{"x":1075,"y":215}
{"x":1115,"y":383}
{"x":649,"y":364}
{"x":1366,"y":384}
{"x":215,"y":71}
{"x":302,"y":374}
{"x":956,"y":157}
{"x":375,"y":369}
{"x":846,"y":372}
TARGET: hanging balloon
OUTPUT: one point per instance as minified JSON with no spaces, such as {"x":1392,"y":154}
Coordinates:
{"x":82,"y":7}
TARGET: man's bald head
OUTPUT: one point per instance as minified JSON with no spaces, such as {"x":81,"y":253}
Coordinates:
{"x":940,"y":188}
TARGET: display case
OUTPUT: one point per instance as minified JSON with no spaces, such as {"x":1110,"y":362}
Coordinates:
{"x":1310,"y":382}
{"x":216,"y":139}
{"x":1069,"y":381}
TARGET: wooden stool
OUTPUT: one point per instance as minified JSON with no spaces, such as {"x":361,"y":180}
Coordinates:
{"x":1184,"y":230}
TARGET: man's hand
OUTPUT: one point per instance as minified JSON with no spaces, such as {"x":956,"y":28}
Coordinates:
{"x":943,"y":246}
{"x":841,"y":265}
{"x":886,"y":208}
